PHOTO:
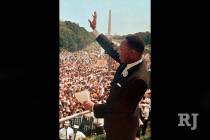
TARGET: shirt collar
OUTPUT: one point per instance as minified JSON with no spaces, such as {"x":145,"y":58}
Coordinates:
{"x":134,"y":64}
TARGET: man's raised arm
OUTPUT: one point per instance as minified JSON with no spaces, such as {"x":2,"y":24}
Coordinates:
{"x":105,"y":43}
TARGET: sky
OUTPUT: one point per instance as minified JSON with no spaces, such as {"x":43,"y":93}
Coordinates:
{"x":128,"y":16}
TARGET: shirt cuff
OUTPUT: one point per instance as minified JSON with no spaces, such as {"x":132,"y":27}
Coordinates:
{"x":96,"y":33}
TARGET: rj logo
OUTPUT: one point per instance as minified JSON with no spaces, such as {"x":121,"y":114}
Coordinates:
{"x":184,"y":120}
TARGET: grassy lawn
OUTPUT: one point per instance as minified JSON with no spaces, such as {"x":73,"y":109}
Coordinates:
{"x":100,"y":137}
{"x":147,"y":135}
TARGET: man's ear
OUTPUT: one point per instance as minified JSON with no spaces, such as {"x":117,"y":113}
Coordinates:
{"x":138,"y":53}
{"x":133,"y":52}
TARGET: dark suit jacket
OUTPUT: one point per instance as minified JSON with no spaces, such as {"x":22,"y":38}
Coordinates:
{"x":120,"y":113}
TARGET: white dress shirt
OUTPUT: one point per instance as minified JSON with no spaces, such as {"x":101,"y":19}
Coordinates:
{"x":125,"y":71}
{"x":70,"y":133}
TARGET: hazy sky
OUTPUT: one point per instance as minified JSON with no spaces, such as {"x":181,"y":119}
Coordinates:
{"x":128,"y":16}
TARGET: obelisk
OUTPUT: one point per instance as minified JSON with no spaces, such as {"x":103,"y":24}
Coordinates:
{"x":110,"y":38}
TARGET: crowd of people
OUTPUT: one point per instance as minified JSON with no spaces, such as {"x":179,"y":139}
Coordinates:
{"x":84,"y":70}
{"x":80,"y":71}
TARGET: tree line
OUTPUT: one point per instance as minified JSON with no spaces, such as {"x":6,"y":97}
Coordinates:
{"x":72,"y":37}
{"x":146,"y":36}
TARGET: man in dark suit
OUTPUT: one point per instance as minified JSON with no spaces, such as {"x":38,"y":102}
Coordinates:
{"x":120,"y":112}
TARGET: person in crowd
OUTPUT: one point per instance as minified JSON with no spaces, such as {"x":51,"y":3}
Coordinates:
{"x":66,"y":133}
{"x":78,"y":134}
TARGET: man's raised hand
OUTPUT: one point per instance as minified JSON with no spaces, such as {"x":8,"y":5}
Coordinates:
{"x":93,"y":22}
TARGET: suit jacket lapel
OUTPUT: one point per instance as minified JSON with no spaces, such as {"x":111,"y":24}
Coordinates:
{"x":118,"y":77}
{"x":132,"y":70}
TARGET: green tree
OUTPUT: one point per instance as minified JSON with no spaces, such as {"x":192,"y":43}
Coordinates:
{"x":72,"y":37}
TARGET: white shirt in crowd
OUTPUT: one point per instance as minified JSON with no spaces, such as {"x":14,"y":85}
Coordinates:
{"x":62,"y":133}
{"x":145,"y":107}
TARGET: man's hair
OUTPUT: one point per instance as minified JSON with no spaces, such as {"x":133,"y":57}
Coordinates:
{"x":135,"y":42}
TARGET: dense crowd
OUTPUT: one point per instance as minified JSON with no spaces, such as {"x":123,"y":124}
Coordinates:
{"x":88,"y":70}
{"x":79,"y":71}
{"x":83,"y":70}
